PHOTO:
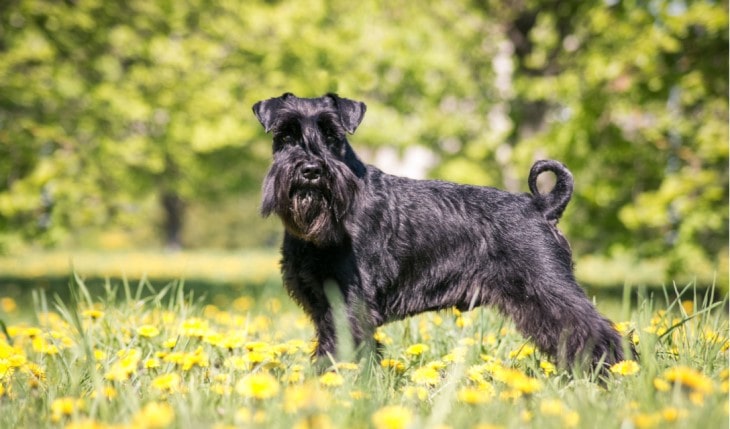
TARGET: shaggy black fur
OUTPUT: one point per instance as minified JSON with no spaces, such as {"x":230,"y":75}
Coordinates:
{"x":398,"y":247}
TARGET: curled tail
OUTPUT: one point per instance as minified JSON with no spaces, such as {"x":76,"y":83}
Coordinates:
{"x":553,"y":203}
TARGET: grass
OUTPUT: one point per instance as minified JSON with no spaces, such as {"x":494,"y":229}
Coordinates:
{"x":139,"y":356}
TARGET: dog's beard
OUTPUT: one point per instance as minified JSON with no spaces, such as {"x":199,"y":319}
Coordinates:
{"x":313,"y":213}
{"x":309,"y":211}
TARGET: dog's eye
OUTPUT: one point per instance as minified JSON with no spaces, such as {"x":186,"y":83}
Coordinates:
{"x":331,"y":139}
{"x":286,"y":139}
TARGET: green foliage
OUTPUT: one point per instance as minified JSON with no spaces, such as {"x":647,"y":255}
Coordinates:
{"x":107,"y":108}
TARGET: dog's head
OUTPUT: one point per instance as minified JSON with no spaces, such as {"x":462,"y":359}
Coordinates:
{"x":315,"y":177}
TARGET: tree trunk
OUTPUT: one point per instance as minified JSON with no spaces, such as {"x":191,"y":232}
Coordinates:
{"x":174,"y":208}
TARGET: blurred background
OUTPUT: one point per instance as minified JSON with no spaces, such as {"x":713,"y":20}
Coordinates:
{"x":128,"y":146}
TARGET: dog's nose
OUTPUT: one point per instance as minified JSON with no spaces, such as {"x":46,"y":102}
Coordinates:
{"x":311,"y":171}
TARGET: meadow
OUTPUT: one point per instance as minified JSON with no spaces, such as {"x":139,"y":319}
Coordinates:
{"x":122,"y":354}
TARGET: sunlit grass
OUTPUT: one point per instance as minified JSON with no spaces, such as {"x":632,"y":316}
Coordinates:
{"x":251,"y":266}
{"x":167,"y":360}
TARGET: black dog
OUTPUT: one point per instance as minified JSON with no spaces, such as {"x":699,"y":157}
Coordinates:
{"x":398,"y":247}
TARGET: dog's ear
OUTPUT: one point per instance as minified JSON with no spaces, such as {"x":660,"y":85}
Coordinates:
{"x":266,"y":110}
{"x":351,"y":112}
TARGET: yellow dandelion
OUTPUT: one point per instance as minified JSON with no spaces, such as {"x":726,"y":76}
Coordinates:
{"x":419,"y":393}
{"x":331,"y":379}
{"x":523,"y":352}
{"x":154,"y":415}
{"x":625,"y":367}
{"x":65,"y":407}
{"x":381,"y":337}
{"x":475,"y":396}
{"x":426,"y":376}
{"x":258,"y":386}
{"x":552,"y":407}
{"x":314,"y":421}
{"x":151,"y":363}
{"x":243,"y":303}
{"x":169,"y":343}
{"x":359,"y":394}
{"x":8,"y":305}
{"x":394,"y":364}
{"x":148,"y":331}
{"x":672,"y":414}
{"x":689,"y":378}
{"x":246,"y":417}
{"x":392,"y":417}
{"x":571,"y":419}
{"x":347,"y":366}
{"x":99,"y":355}
{"x":307,"y":396}
{"x":646,"y":420}
{"x":547,"y":367}
{"x":464,"y":321}
{"x":661,"y":385}
{"x":416,"y":349}
{"x":92,"y":314}
{"x":167,"y":382}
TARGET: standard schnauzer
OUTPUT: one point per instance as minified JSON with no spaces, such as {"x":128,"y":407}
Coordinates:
{"x":397,"y":247}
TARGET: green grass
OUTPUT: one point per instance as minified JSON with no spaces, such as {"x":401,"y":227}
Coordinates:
{"x":134,"y":355}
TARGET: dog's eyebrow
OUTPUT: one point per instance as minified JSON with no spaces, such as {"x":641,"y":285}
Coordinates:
{"x":330,"y":121}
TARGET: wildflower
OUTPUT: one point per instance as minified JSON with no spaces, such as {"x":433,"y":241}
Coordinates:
{"x":523,"y":352}
{"x":347,"y":366}
{"x":167,"y":382}
{"x":416,"y":392}
{"x":547,"y":367}
{"x":170,"y":343}
{"x":151,"y":363}
{"x":552,"y":407}
{"x":646,"y":420}
{"x":246,"y":417}
{"x":154,"y":415}
{"x":305,"y":397}
{"x":556,"y":408}
{"x":148,"y":331}
{"x":475,"y":396}
{"x":517,"y":380}
{"x":40,"y":345}
{"x":416,"y":349}
{"x":661,"y":385}
{"x":395,"y":364}
{"x":331,"y":379}
{"x":243,"y":303}
{"x":381,"y":337}
{"x":125,"y":367}
{"x":65,"y":407}
{"x":195,"y":327}
{"x":689,"y":378}
{"x":464,"y":321}
{"x":392,"y":417}
{"x":8,"y":305}
{"x":258,"y":386}
{"x":314,"y":421}
{"x":93,"y":314}
{"x":358,"y":394}
{"x":99,"y":355}
{"x":109,"y":392}
{"x":671,"y":414}
{"x":625,"y":367}
{"x":456,"y":356}
{"x":426,"y":376}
